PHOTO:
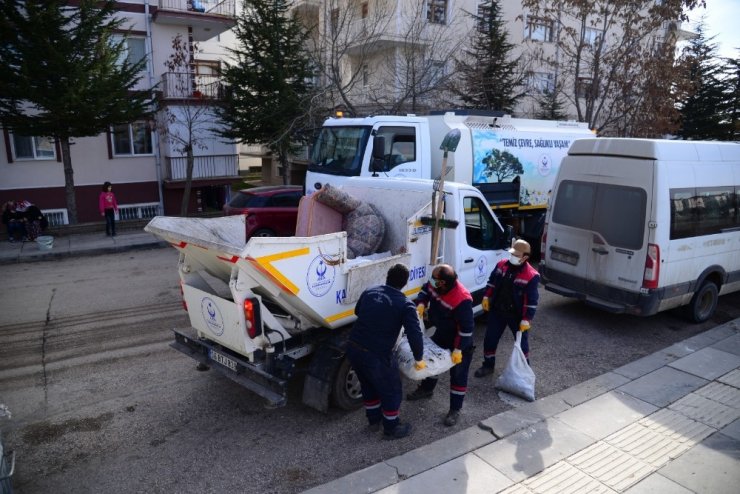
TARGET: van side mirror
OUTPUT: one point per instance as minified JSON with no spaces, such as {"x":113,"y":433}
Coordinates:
{"x":508,"y":236}
{"x":378,"y":162}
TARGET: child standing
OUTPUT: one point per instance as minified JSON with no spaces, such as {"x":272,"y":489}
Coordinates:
{"x":108,"y":208}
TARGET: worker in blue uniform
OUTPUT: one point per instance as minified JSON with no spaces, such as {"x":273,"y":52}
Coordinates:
{"x":450,"y":311}
{"x":381,"y":312}
{"x":510,"y":299}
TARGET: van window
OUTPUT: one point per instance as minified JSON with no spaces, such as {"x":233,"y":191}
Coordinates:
{"x":400,"y":145}
{"x":702,"y":211}
{"x":480,"y":227}
{"x":615,"y":212}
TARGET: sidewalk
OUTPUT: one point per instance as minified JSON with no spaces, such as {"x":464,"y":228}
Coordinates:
{"x":667,"y":423}
{"x":80,"y":244}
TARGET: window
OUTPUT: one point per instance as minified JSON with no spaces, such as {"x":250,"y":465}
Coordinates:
{"x":365,"y":75}
{"x":590,"y":206}
{"x":132,"y":139}
{"x":363,"y":10}
{"x":480,"y":228}
{"x":438,"y":72}
{"x":542,"y":82}
{"x":33,"y":148}
{"x":134,"y":49}
{"x":437,"y":11}
{"x":400,"y":145}
{"x":285,"y":200}
{"x":539,"y":29}
{"x":484,"y":17}
{"x":334,"y":20}
{"x":592,"y":36}
{"x":584,"y":88}
{"x":703,"y":211}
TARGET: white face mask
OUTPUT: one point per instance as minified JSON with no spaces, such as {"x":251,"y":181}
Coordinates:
{"x":515,"y":261}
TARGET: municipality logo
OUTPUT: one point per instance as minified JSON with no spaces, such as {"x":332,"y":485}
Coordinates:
{"x":212,"y":316}
{"x":319,"y":277}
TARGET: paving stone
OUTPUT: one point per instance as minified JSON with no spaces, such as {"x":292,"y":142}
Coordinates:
{"x":663,"y":386}
{"x":367,"y":480}
{"x":729,"y":345}
{"x":659,"y":438}
{"x":564,"y":478}
{"x":650,"y":363}
{"x":713,"y":466}
{"x":510,"y":421}
{"x":732,"y":430}
{"x":592,"y":388}
{"x":610,"y":466}
{"x":723,"y":393}
{"x":657,"y":484}
{"x":622,"y":410}
{"x":707,"y":411}
{"x":708,"y":363}
{"x":438,"y":452}
{"x":732,"y":378}
{"x":533,"y":449}
{"x":468,"y":474}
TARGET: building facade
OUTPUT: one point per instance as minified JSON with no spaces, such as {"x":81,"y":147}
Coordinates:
{"x":143,"y":159}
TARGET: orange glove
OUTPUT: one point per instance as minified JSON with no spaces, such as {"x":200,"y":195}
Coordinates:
{"x":486,"y":304}
{"x":524,"y":325}
{"x":420,"y":365}
{"x":420,"y":310}
{"x":456,"y":357}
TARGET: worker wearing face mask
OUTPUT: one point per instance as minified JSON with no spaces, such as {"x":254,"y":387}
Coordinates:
{"x":451,"y":312}
{"x":510,"y":300}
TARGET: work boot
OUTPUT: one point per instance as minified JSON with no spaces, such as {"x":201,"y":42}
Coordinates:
{"x":452,"y":417}
{"x":374,"y":426}
{"x":401,"y":430}
{"x":485,"y":370}
{"x":419,"y":394}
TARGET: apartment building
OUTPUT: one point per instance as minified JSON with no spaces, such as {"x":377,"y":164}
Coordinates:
{"x":147,"y":168}
{"x":391,"y":56}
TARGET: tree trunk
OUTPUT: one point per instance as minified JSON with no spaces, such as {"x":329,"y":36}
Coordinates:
{"x":285,"y":164}
{"x":188,"y":182}
{"x":69,"y":182}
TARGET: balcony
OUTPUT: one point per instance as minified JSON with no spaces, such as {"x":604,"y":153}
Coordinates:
{"x":204,"y":168}
{"x":397,"y":33}
{"x":190,"y":86}
{"x":208,"y":18}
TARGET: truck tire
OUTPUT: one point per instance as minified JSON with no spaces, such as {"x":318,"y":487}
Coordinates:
{"x":703,"y":303}
{"x":346,"y":393}
{"x":264,"y":232}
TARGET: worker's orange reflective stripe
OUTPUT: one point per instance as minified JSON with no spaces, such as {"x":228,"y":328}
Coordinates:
{"x":266,"y":263}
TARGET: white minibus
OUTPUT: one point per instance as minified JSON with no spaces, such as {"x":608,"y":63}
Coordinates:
{"x":639,"y":226}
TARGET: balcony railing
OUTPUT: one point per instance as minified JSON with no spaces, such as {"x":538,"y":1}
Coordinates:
{"x":225,"y":8}
{"x":204,"y":167}
{"x":187,"y":85}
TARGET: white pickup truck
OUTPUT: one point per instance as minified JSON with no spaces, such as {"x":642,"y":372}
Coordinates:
{"x":272,"y":308}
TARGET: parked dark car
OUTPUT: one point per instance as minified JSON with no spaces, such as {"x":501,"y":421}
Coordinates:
{"x":271,"y":210}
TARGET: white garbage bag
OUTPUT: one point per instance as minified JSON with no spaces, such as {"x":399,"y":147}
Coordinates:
{"x":438,"y":359}
{"x":518,"y":376}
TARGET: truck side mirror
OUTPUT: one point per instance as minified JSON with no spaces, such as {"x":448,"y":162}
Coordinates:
{"x":377,"y":164}
{"x":508,"y":236}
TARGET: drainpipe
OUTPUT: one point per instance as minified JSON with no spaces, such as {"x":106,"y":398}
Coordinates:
{"x":150,"y":74}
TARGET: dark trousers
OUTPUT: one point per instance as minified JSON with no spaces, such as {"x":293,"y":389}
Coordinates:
{"x":494,"y":330}
{"x":381,"y":385}
{"x":110,"y":222}
{"x":16,"y":229}
{"x":458,"y":380}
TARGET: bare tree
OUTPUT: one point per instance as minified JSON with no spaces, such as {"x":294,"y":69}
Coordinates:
{"x":186,"y":125}
{"x":604,"y":48}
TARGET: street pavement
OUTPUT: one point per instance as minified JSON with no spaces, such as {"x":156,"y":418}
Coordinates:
{"x":667,"y":423}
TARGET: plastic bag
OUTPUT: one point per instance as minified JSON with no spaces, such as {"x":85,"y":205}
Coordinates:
{"x":518,"y":376}
{"x":437,"y":358}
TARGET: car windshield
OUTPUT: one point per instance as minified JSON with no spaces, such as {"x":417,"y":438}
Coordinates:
{"x":247,"y":200}
{"x":339,"y":150}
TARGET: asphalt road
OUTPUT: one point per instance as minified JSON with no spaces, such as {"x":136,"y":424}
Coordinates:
{"x":100,"y":403}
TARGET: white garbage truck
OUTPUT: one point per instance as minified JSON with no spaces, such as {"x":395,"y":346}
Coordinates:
{"x":513,"y":161}
{"x":280,"y":307}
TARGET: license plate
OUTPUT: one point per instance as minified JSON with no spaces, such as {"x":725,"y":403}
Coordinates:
{"x":561,"y":256}
{"x":222,"y":359}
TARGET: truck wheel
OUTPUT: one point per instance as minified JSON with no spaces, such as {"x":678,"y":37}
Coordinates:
{"x":703,"y":303}
{"x":347,"y":393}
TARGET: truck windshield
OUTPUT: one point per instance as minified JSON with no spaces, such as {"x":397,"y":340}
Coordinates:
{"x":339,"y":150}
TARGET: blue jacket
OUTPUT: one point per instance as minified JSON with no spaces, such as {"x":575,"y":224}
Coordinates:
{"x":451,"y":314}
{"x":525,"y":291}
{"x":381,"y":311}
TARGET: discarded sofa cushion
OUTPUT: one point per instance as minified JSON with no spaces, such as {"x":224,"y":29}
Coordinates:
{"x":365,"y":229}
{"x":337,"y":199}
